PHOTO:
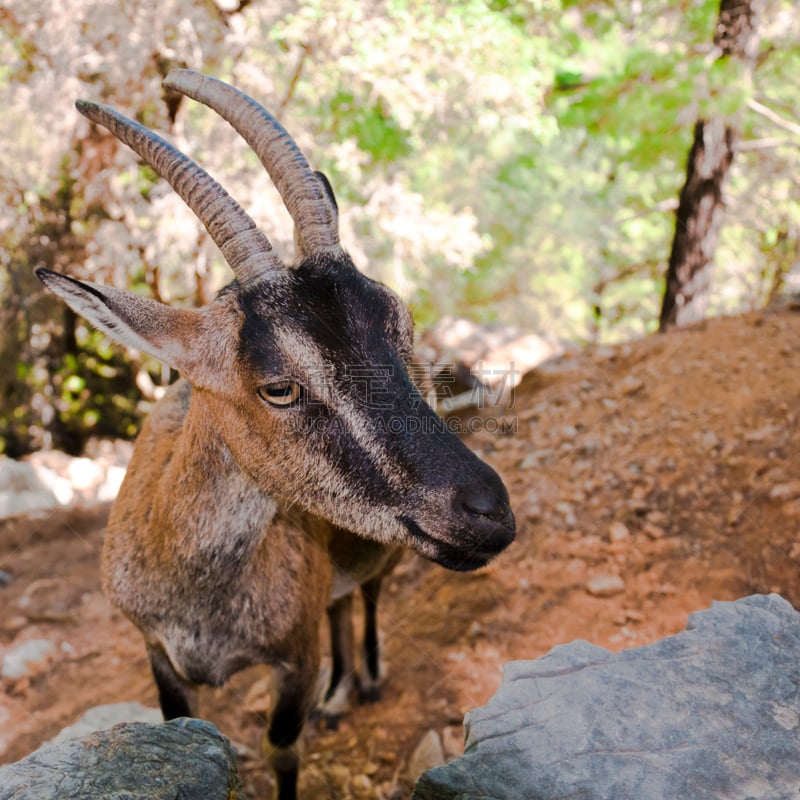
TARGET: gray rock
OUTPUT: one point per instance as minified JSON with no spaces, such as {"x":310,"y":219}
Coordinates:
{"x":185,"y":758}
{"x":21,"y":491}
{"x":26,"y":657}
{"x":712,"y":713}
{"x":100,"y":718}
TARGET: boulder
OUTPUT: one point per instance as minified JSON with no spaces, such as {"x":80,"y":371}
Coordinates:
{"x":713,"y":712}
{"x":21,"y":490}
{"x":183,"y":758}
{"x":100,"y":718}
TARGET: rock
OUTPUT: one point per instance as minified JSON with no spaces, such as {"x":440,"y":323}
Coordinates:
{"x":785,"y":491}
{"x":760,"y":435}
{"x":184,"y":758}
{"x":427,"y":755}
{"x":101,"y":718}
{"x":631,"y":385}
{"x":710,"y":714}
{"x":5,"y":578}
{"x":604,"y":585}
{"x":653,"y":531}
{"x":25,"y":658}
{"x":21,"y":491}
{"x":618,"y":531}
{"x":51,"y":479}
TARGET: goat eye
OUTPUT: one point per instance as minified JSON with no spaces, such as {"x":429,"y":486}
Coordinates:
{"x":281,"y":394}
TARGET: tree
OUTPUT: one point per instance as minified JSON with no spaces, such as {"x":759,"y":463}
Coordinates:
{"x":701,"y":208}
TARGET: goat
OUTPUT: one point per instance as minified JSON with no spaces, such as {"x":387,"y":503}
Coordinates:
{"x":293,"y":460}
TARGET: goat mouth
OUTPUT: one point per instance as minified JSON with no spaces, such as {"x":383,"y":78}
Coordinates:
{"x":459,"y":558}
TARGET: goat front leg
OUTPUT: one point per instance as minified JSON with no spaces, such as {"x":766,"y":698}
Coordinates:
{"x":294,"y":693}
{"x":175,"y":696}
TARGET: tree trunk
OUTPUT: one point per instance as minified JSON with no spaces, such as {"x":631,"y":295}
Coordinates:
{"x":702,"y":208}
{"x":697,"y":226}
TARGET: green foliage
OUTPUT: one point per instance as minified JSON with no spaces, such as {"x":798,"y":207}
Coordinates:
{"x":370,"y":124}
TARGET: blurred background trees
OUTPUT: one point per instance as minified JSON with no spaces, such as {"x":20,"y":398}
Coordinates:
{"x":504,"y":160}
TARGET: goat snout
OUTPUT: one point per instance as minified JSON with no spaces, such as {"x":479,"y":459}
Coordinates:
{"x":488,"y":515}
{"x":475,"y":525}
{"x":481,"y":501}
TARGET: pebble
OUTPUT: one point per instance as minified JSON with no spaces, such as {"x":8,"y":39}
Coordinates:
{"x":653,"y":531}
{"x":785,"y":491}
{"x":709,"y":440}
{"x":570,"y":520}
{"x":604,"y":585}
{"x":626,"y":615}
{"x":761,"y":434}
{"x":618,"y":531}
{"x":532,"y":507}
{"x":5,"y":578}
{"x":792,"y":508}
{"x":631,"y":385}
{"x":23,"y":659}
{"x":427,"y":755}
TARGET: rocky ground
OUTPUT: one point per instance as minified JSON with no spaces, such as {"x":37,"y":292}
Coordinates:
{"x":647,"y":479}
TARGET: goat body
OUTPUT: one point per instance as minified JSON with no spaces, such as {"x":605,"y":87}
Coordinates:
{"x":294,"y":459}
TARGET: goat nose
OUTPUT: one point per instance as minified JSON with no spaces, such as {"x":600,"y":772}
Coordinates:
{"x":481,"y":501}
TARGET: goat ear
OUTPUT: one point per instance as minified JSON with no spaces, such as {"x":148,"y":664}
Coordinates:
{"x":165,"y":333}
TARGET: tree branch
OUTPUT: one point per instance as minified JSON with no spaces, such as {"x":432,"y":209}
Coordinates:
{"x":773,"y":117}
{"x":764,"y":144}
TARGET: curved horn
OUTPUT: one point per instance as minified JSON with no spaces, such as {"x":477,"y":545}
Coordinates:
{"x":305,"y":198}
{"x":246,"y":249}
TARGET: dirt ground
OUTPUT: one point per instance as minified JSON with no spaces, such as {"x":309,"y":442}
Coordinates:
{"x":647,"y":480}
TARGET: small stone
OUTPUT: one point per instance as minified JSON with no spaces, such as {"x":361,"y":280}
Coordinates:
{"x":531,"y":507}
{"x":785,"y":491}
{"x":605,"y":585}
{"x":5,"y":578}
{"x":634,"y":615}
{"x":566,"y":510}
{"x":618,"y":531}
{"x":362,"y":782}
{"x":709,"y":440}
{"x":792,"y":508}
{"x":653,"y":531}
{"x":761,"y":434}
{"x":657,"y":517}
{"x":26,"y":658}
{"x":427,"y":755}
{"x":631,"y":385}
{"x":533,"y":458}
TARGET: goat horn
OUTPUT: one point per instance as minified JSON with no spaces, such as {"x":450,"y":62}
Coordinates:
{"x":300,"y":189}
{"x":246,"y":249}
